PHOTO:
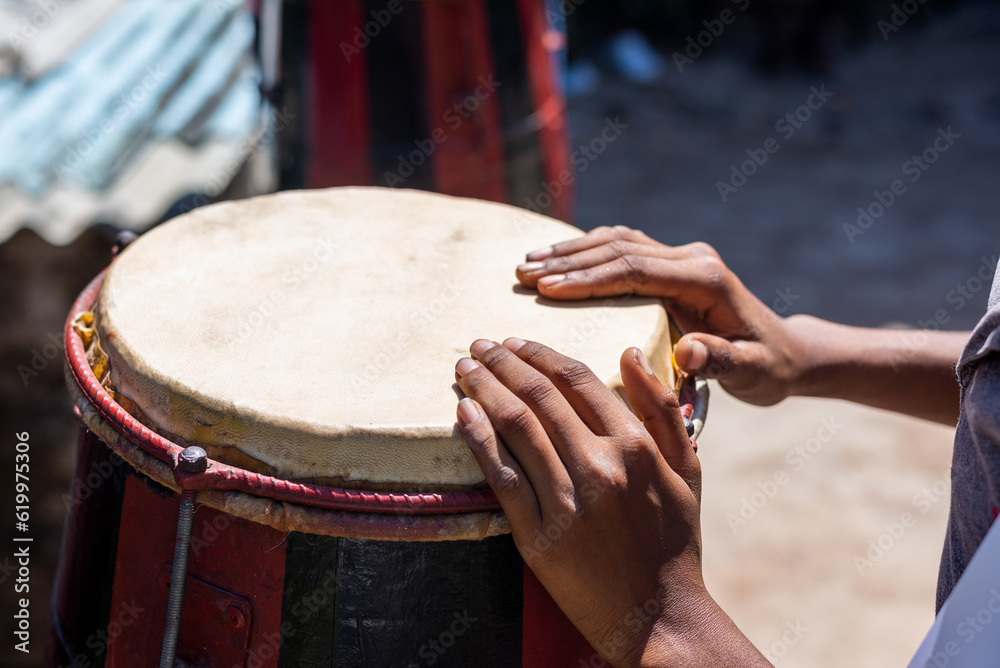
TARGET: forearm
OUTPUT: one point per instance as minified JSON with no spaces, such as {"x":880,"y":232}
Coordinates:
{"x":907,"y":371}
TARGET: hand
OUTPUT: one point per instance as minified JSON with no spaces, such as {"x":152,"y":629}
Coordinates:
{"x":731,"y":335}
{"x":604,"y":508}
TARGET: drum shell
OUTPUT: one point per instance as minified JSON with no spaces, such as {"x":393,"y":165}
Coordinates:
{"x":461,"y":98}
{"x":259,"y":597}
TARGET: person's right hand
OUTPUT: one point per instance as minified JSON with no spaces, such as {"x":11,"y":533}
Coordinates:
{"x":731,"y":335}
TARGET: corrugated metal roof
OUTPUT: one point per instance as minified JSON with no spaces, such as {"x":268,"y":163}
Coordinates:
{"x":125,"y":114}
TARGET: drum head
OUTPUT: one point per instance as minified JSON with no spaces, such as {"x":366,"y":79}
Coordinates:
{"x":313,"y":335}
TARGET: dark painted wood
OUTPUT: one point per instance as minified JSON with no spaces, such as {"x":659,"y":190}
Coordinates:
{"x":456,"y":603}
{"x":309,"y":601}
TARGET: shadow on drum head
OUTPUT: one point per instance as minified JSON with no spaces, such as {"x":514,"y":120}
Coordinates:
{"x":621,"y":302}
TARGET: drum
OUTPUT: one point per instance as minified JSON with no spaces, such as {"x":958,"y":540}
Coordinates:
{"x":459,"y":97}
{"x":270,"y":473}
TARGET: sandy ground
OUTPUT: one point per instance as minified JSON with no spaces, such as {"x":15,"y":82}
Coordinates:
{"x":789,"y":573}
{"x":788,"y":576}
{"x":792,"y":496}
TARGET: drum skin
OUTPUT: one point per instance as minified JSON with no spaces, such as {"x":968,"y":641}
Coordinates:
{"x":312,"y":335}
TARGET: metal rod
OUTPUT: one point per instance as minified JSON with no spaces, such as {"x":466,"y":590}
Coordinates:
{"x":177,"y":577}
{"x":191,"y":460}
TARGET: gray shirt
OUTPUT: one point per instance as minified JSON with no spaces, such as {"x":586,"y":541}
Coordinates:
{"x":975,"y":464}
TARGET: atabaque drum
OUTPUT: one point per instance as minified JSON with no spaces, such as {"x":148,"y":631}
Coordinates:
{"x":271,"y":474}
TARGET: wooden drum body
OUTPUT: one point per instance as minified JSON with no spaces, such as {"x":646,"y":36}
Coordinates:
{"x":459,"y":97}
{"x":341,"y":520}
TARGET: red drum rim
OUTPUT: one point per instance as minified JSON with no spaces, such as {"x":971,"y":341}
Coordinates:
{"x":222,"y":477}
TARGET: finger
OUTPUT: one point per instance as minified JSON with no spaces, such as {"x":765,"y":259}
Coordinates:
{"x":503,"y":474}
{"x":521,"y":432}
{"x":560,"y":421}
{"x":659,"y":410}
{"x":529,"y":272}
{"x":596,"y":237}
{"x":695,"y":282}
{"x":593,"y":402}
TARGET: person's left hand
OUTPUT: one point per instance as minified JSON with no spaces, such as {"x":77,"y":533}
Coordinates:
{"x":603,"y":507}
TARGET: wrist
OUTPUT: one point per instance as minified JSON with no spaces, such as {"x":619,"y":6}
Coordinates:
{"x":812,"y":345}
{"x":658,"y":625}
{"x":707,"y":637}
{"x":678,"y":641}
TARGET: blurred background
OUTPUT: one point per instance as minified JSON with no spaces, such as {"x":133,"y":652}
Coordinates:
{"x":772,"y":129}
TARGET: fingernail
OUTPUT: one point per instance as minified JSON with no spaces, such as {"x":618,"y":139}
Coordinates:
{"x":643,"y":362}
{"x":513,"y":344}
{"x":549,"y":281}
{"x":529,"y":267}
{"x":480,"y":346}
{"x":699,"y":355}
{"x":468,"y":412}
{"x":540,"y":254}
{"x":464,"y":366}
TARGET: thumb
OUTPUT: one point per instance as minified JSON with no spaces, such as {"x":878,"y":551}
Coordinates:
{"x":707,"y":355}
{"x":658,"y":408}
